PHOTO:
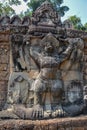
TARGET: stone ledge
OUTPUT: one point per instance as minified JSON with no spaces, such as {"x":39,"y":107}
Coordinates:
{"x":74,"y":123}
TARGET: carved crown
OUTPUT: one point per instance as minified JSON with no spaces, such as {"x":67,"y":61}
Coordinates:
{"x":46,"y":13}
{"x":45,"y":19}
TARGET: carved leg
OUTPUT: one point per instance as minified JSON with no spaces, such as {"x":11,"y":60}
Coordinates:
{"x":22,"y":112}
{"x":37,"y":108}
{"x":39,"y":89}
{"x":57,"y":93}
{"x":36,"y":98}
{"x":59,"y":111}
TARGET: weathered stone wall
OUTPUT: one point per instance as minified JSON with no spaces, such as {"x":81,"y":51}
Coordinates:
{"x":4,"y":65}
{"x":20,"y":29}
{"x":79,"y":123}
{"x":16,"y":26}
{"x":32,"y":68}
{"x":85,"y":63}
{"x":8,"y":27}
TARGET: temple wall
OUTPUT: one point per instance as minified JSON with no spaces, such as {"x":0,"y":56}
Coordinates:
{"x":5,"y":56}
{"x":43,"y":73}
{"x":85,"y":63}
{"x":8,"y":27}
{"x":4,"y":65}
{"x":16,"y":26}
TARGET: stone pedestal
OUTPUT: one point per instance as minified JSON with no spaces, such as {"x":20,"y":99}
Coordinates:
{"x":78,"y":123}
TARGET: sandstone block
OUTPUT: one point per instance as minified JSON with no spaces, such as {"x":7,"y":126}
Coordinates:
{"x":3,"y":67}
{"x":4,"y":75}
{"x":3,"y":85}
{"x":4,"y":38}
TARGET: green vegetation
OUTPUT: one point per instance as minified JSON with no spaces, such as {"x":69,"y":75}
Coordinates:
{"x":6,"y":9}
{"x":6,"y":6}
{"x":76,"y":21}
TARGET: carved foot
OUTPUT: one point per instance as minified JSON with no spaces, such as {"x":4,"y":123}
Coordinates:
{"x":22,"y":112}
{"x":37,"y":112}
{"x":19,"y":110}
{"x":6,"y":114}
{"x":47,"y":114}
{"x":59,"y":112}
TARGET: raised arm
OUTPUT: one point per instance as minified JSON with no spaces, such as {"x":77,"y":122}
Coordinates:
{"x":35,"y":55}
{"x":65,"y":55}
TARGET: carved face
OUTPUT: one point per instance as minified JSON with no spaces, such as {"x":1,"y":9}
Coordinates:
{"x":74,"y":94}
{"x":49,"y":48}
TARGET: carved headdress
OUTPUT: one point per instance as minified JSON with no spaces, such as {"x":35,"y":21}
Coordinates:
{"x":44,"y":20}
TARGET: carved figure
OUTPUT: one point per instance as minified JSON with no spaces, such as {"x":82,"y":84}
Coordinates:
{"x":17,"y":54}
{"x":48,"y":81}
{"x":74,"y":105}
{"x":76,"y":57}
{"x":18,"y":91}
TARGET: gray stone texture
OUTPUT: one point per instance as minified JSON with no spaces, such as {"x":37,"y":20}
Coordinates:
{"x":43,"y":67}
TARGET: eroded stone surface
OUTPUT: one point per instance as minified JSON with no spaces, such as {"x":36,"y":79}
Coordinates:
{"x":79,"y":123}
{"x":46,"y":61}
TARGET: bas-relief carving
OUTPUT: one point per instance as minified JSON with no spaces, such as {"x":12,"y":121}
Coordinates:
{"x":75,"y":91}
{"x":46,"y":15}
{"x":47,"y":89}
{"x":17,"y":53}
{"x":15,"y":20}
{"x":19,"y":85}
{"x":48,"y":79}
{"x":74,"y":98}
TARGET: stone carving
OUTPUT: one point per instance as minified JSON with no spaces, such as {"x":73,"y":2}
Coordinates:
{"x":46,"y":15}
{"x":85,"y":99}
{"x":75,"y":92}
{"x":18,"y":60}
{"x":46,"y":64}
{"x":76,"y":58}
{"x":49,"y":80}
{"x":19,"y":86}
{"x":67,"y":24}
{"x":5,"y":20}
{"x":15,"y":20}
{"x":44,"y":20}
{"x":74,"y":105}
{"x":26,"y":20}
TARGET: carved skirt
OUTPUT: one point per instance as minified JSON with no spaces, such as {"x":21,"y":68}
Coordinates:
{"x":46,"y":85}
